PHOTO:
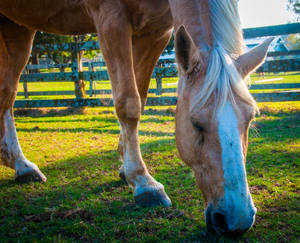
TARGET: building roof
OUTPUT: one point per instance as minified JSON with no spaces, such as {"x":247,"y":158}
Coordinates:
{"x":277,"y":45}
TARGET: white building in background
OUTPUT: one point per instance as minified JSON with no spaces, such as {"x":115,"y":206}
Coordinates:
{"x":286,"y":62}
{"x":277,"y":45}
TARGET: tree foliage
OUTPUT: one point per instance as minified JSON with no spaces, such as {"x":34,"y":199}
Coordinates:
{"x":170,"y":46}
{"x":53,"y":46}
{"x":294,"y":7}
{"x":293,"y":41}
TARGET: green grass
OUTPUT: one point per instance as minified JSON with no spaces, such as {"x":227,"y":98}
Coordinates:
{"x":84,"y":199}
{"x":289,"y":77}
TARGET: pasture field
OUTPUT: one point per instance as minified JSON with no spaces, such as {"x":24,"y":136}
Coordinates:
{"x":84,"y":199}
{"x":290,"y":77}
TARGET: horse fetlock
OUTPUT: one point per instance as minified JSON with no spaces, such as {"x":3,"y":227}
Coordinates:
{"x":27,"y":171}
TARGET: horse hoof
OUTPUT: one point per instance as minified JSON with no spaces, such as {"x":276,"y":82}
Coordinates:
{"x":35,"y":175}
{"x":122,"y":176}
{"x":152,"y":198}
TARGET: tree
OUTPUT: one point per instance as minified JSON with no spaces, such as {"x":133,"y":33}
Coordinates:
{"x":294,"y":7}
{"x":293,"y":41}
{"x":44,"y":45}
{"x":53,"y":46}
{"x":170,"y":46}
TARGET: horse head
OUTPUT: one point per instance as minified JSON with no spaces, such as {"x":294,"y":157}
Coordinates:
{"x":213,"y":116}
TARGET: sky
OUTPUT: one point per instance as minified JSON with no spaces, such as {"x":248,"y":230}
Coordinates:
{"x":256,"y":13}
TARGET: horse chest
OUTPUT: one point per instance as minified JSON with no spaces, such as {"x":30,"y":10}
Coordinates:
{"x":151,"y":16}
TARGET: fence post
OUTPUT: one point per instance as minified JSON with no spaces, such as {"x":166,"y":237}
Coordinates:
{"x":25,"y":87}
{"x":91,"y":69}
{"x":25,"y":90}
{"x":76,"y":68}
{"x":158,"y":85}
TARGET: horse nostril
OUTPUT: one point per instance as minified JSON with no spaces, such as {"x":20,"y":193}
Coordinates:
{"x":220,"y":222}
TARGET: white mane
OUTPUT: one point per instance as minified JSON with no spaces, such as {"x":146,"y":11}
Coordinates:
{"x":222,"y":78}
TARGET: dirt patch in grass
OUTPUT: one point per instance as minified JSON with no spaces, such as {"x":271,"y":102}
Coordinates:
{"x":67,"y":214}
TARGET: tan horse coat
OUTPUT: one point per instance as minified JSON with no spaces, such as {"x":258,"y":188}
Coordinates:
{"x":132,"y":35}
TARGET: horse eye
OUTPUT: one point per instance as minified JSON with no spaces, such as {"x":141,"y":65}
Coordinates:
{"x":197,"y":126}
{"x":200,"y":129}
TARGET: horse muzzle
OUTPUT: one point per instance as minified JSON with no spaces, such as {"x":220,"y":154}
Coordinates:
{"x":232,"y":222}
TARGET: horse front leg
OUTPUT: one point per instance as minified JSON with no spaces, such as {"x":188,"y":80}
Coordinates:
{"x":146,"y":52}
{"x":115,"y":35}
{"x":15,"y":46}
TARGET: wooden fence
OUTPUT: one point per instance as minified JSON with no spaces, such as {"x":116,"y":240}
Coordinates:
{"x":78,"y":76}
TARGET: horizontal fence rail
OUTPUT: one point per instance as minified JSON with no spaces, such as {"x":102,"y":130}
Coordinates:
{"x":284,"y":29}
{"x":151,"y":101}
{"x":154,"y":91}
{"x":277,"y":61}
{"x":165,"y":72}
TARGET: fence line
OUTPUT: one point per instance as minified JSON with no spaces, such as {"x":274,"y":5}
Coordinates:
{"x":284,"y":29}
{"x":151,"y":101}
{"x":155,"y":91}
{"x":78,"y":76}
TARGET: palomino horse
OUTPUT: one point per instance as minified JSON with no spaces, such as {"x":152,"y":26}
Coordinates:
{"x":214,"y":106}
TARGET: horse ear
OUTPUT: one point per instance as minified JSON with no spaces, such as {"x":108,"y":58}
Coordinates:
{"x":251,"y":60}
{"x":186,"y":51}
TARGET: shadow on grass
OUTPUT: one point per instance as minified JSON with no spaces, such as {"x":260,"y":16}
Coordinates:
{"x":283,"y":128}
{"x":160,"y":112}
{"x":111,"y":121}
{"x":153,"y":120}
{"x":95,"y":118}
{"x":84,"y":200}
{"x":83,"y":119}
{"x":96,"y":130}
{"x":85,"y":192}
{"x":108,"y":159}
{"x":46,"y":112}
{"x":267,"y":111}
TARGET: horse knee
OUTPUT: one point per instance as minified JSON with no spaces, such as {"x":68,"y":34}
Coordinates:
{"x":8,"y":89}
{"x":128,"y":108}
{"x":7,"y":96}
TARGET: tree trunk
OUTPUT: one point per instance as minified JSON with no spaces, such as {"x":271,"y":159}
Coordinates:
{"x":76,"y":68}
{"x":35,"y":61}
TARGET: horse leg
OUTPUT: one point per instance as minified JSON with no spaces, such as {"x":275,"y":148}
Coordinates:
{"x":146,"y":52}
{"x":15,"y":46}
{"x":115,"y":36}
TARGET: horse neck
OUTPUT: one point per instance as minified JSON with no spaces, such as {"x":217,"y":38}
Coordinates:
{"x":195,"y":16}
{"x":210,"y":23}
